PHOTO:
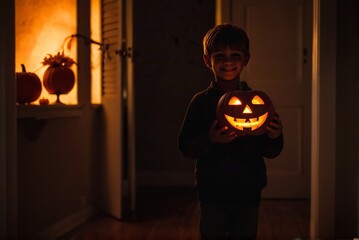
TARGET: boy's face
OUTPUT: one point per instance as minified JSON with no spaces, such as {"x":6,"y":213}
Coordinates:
{"x":227,"y":64}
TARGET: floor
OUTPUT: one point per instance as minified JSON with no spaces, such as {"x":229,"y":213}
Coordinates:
{"x":172,"y":213}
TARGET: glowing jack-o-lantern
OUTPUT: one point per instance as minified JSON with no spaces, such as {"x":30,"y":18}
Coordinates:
{"x":245,"y":112}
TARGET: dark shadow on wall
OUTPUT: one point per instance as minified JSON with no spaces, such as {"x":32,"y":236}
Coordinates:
{"x":168,"y":70}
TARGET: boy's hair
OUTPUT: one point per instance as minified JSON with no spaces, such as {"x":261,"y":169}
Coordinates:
{"x":226,"y":35}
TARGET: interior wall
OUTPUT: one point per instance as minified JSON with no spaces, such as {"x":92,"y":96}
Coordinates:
{"x":56,"y":170}
{"x":346,"y":219}
{"x":169,"y":70}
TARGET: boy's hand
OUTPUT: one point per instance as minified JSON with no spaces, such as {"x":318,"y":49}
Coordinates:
{"x":219,"y":135}
{"x":275,"y":127}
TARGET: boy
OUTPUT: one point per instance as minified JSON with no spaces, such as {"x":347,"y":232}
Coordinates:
{"x":230,"y":170}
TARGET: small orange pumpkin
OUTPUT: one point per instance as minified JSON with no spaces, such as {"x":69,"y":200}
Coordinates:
{"x":44,"y":101}
{"x":28,"y":86}
{"x":245,"y":112}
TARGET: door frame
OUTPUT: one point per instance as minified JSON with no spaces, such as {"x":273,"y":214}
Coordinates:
{"x":323,"y":141}
{"x":322,"y":196}
{"x":8,"y":139}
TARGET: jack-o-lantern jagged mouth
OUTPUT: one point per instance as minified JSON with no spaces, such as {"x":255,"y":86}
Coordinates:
{"x":250,"y":123}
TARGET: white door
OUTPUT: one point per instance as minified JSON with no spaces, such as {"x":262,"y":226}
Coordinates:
{"x":280,"y":44}
{"x":115,"y":94}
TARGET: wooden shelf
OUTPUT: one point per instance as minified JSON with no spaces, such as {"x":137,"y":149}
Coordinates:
{"x":48,"y":111}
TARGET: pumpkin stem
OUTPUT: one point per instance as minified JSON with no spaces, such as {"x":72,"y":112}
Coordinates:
{"x":23,"y":68}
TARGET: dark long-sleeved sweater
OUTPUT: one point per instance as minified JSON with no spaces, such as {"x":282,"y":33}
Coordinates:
{"x":225,"y":173}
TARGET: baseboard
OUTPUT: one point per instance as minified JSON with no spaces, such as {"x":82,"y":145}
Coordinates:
{"x":67,"y":224}
{"x":161,"y":178}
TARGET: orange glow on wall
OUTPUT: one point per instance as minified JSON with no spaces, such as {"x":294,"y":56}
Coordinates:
{"x":96,"y":54}
{"x":41,"y":28}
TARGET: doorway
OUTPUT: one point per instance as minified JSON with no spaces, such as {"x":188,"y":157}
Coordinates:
{"x":281,"y":41}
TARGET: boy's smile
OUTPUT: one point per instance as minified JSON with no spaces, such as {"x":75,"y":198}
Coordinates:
{"x":227,"y":72}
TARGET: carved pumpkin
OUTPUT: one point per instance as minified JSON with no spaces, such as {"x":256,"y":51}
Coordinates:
{"x":245,"y":112}
{"x":28,"y":86}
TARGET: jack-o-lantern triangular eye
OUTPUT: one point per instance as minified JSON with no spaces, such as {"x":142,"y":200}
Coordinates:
{"x":257,"y":100}
{"x":234,"y":101}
